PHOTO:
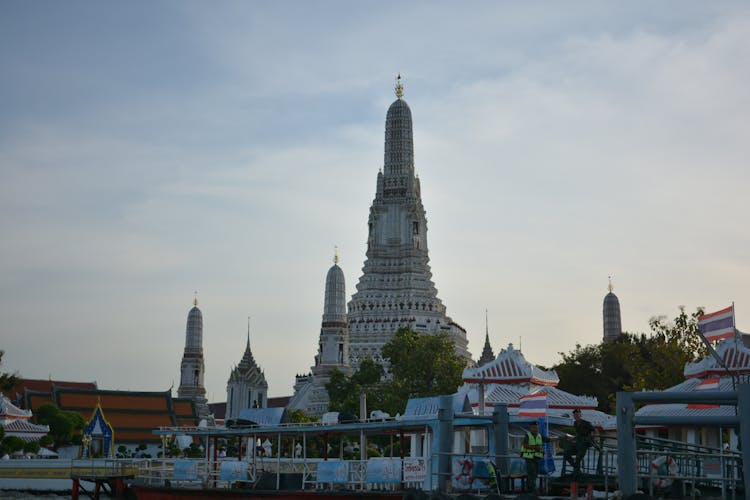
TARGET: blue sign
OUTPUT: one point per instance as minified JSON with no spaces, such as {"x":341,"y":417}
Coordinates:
{"x":185,"y":470}
{"x":233,"y":471}
{"x":383,"y":470}
{"x":428,"y":407}
{"x":333,"y":471}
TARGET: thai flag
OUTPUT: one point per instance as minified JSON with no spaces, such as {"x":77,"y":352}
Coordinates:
{"x":533,"y":405}
{"x":718,"y":325}
{"x":709,"y":384}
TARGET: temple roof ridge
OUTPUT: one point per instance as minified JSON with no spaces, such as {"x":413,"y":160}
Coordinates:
{"x":733,"y":353}
{"x":10,"y":411}
{"x":510,"y":366}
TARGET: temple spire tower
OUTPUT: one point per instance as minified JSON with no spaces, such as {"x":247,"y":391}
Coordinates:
{"x":396,"y":288}
{"x":611,"y":315}
{"x":310,"y":394}
{"x":192,"y":368}
{"x":487,"y":354}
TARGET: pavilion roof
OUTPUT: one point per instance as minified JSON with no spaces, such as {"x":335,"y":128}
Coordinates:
{"x":734,"y":354}
{"x":25,"y":429}
{"x":510,"y":367}
{"x":9,"y":411}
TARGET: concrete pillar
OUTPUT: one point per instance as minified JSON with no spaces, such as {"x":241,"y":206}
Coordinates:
{"x":743,"y":411}
{"x":444,"y":441}
{"x":500,"y":426}
{"x":626,"y":461}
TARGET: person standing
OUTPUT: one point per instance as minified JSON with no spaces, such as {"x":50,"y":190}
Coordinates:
{"x":575,"y":452}
{"x":532,"y":450}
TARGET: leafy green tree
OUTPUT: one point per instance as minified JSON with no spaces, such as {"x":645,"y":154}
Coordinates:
{"x":299,"y":417}
{"x":13,"y":444}
{"x":31,"y":447}
{"x":633,"y":362}
{"x":7,"y":380}
{"x":344,"y":392}
{"x":64,"y":426}
{"x":420,"y":365}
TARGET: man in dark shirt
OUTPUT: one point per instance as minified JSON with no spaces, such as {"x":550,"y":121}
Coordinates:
{"x":581,"y":444}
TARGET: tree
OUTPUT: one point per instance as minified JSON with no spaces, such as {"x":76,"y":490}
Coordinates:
{"x":64,"y":426}
{"x":31,"y":447}
{"x":633,"y":362}
{"x":420,"y":365}
{"x":344,"y":392}
{"x":7,"y":380}
{"x":12,"y":444}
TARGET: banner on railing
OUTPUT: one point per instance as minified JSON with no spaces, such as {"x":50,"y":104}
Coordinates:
{"x":469,"y":474}
{"x":415,"y":470}
{"x":185,"y":470}
{"x":233,"y":471}
{"x":333,"y":471}
{"x":383,"y":470}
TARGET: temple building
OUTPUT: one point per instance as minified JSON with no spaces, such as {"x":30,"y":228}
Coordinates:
{"x":192,"y":368}
{"x":509,"y":377}
{"x":310,"y":394}
{"x":247,"y":386}
{"x":133,"y":414}
{"x":396,"y":288}
{"x":611,"y":315}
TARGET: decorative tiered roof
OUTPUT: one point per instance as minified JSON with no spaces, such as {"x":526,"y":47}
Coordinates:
{"x":509,"y":377}
{"x":248,"y":370}
{"x":510,"y":367}
{"x":15,"y":422}
{"x":9,"y":411}
{"x":734,"y":354}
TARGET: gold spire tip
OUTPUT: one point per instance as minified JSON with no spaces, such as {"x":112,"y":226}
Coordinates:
{"x":335,"y":254}
{"x":399,"y":87}
{"x":195,"y":298}
{"x":610,"y":284}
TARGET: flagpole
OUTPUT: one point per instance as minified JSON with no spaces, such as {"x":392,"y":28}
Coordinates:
{"x":715,"y":354}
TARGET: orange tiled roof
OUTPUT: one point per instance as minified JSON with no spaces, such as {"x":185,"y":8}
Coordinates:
{"x":18,"y":394}
{"x":132,"y":414}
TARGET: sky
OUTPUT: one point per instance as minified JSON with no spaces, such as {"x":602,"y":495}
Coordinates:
{"x":149,"y":150}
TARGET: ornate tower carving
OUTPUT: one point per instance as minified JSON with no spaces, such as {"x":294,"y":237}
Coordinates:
{"x":396,"y":287}
{"x":192,"y":367}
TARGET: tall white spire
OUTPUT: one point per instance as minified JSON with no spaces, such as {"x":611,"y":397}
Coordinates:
{"x":396,"y":288}
{"x":192,"y":367}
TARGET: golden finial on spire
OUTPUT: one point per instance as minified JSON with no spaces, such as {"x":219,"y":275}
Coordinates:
{"x":195,"y":298}
{"x":610,"y":284}
{"x":399,"y":87}
{"x":335,"y":254}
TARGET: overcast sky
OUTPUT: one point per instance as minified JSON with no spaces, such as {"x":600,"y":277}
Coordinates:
{"x":151,"y":149}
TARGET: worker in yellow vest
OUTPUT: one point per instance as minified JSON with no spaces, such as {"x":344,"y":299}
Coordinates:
{"x":532,"y":450}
